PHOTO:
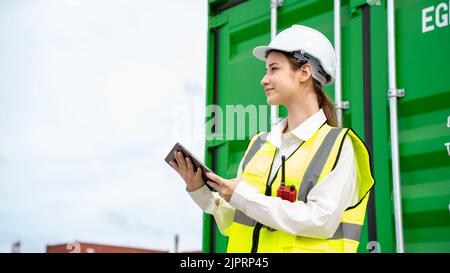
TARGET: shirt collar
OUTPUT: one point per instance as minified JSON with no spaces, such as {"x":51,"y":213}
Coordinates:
{"x":303,"y":132}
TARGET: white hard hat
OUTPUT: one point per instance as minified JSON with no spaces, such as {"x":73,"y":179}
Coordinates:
{"x":309,"y":41}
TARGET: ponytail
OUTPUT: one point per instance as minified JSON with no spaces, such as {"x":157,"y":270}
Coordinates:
{"x":326,"y":104}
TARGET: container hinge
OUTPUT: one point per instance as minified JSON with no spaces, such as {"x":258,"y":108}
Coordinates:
{"x":356,"y":5}
{"x":217,"y":21}
{"x":361,"y":3}
{"x":342,"y":105}
{"x":276,"y":3}
{"x":396,"y":93}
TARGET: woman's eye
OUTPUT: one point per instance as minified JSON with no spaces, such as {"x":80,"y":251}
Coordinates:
{"x":274,"y":68}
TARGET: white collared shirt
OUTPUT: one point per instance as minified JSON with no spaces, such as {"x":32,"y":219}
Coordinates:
{"x":319,"y":217}
{"x":287,"y":143}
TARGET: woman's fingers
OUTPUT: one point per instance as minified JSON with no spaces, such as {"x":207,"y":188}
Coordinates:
{"x":219,"y":180}
{"x":214,"y":185}
{"x":198,"y":174}
{"x":174,"y":165}
{"x":190,"y":168}
{"x":189,"y":164}
{"x":181,"y":162}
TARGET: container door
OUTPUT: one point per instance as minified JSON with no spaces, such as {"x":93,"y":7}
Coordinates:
{"x":235,"y":28}
{"x":423,"y":58}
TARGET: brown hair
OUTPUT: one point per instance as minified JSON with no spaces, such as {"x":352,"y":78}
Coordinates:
{"x":324,"y":102}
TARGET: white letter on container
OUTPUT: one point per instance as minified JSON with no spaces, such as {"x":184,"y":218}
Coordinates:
{"x":441,"y":19}
{"x":426,"y":19}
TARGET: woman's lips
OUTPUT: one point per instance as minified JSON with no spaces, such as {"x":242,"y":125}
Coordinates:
{"x":268,"y":91}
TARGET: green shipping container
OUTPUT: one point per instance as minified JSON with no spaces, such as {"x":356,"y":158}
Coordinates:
{"x":422,"y":45}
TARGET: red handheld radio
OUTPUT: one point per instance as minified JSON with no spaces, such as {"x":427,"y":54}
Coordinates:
{"x":284,"y":192}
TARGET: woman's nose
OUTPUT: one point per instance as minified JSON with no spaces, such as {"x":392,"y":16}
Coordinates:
{"x":265,"y":80}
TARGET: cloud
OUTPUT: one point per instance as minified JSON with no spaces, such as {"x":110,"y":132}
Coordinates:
{"x":87,"y":92}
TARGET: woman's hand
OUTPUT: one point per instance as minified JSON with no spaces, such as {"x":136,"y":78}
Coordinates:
{"x":183,"y":166}
{"x":223,"y":186}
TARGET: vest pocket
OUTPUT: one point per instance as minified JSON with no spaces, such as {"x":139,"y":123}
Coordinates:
{"x":257,"y":168}
{"x":255,"y":174}
{"x":268,"y":241}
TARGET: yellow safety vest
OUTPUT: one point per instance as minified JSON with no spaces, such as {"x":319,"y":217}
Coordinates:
{"x":306,"y":167}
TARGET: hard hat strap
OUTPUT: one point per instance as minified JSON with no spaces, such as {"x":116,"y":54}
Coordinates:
{"x":317,"y":70}
{"x":300,"y":56}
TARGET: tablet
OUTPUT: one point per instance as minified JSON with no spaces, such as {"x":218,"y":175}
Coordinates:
{"x":195,"y":162}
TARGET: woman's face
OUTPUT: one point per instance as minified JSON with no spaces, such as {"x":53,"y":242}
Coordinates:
{"x":280,"y":82}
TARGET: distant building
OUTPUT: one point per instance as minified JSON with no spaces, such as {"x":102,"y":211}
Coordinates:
{"x":82,"y":247}
{"x":192,"y":251}
{"x":15,"y":247}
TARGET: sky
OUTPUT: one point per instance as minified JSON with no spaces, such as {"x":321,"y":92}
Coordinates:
{"x":93,"y":95}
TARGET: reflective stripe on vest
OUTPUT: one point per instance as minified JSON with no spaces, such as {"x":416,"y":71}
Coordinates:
{"x":239,"y":216}
{"x":243,"y":219}
{"x":348,"y":231}
{"x":344,"y":230}
{"x":255,"y":147}
{"x":316,"y":166}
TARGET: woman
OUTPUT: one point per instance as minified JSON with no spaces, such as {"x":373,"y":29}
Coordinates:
{"x":317,"y":202}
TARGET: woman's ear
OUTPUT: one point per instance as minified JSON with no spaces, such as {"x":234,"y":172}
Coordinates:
{"x":305,"y":73}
